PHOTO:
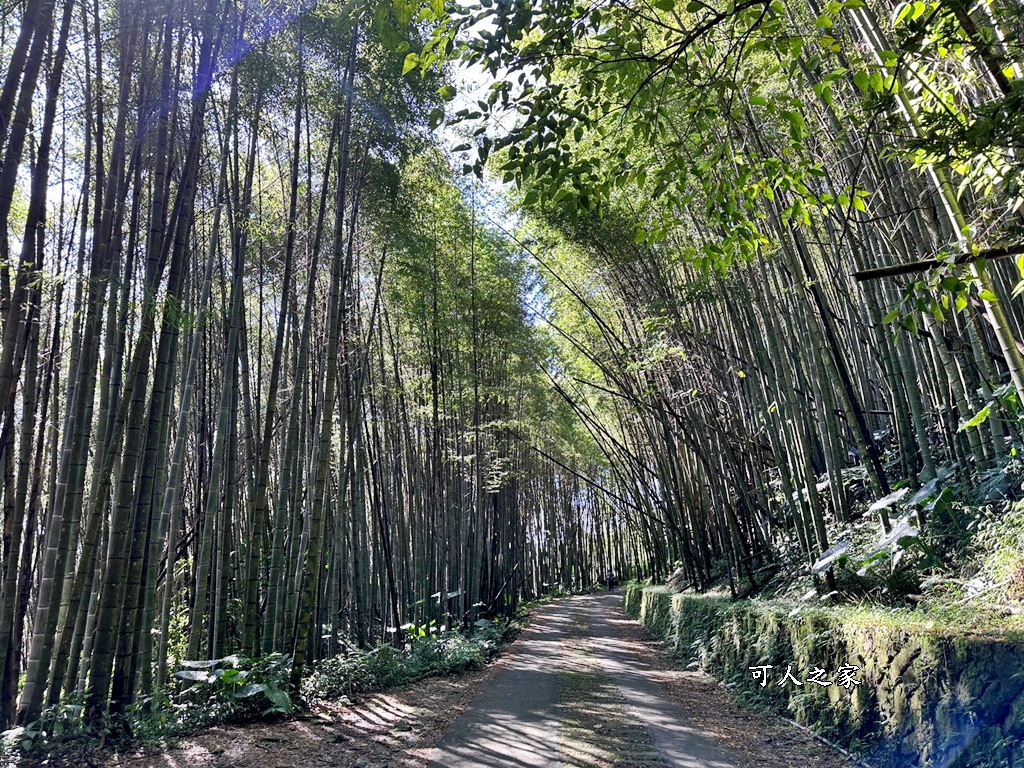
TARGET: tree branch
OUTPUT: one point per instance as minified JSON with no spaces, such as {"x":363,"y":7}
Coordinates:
{"x":921,"y":266}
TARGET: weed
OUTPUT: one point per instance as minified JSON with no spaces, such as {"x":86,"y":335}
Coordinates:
{"x":424,"y":652}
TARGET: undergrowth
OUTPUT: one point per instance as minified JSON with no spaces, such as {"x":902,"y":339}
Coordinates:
{"x":954,"y":555}
{"x":953,"y":559}
{"x":423,"y":654}
{"x":236,"y":689}
{"x":204,"y":693}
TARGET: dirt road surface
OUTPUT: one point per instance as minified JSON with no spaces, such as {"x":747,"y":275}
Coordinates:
{"x":584,"y":686}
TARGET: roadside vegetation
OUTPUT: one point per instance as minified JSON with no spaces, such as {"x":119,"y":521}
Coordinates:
{"x":280,"y":377}
{"x":237,"y":689}
{"x":962,"y":572}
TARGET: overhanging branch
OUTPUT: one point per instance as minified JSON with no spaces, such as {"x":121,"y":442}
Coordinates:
{"x":921,"y":266}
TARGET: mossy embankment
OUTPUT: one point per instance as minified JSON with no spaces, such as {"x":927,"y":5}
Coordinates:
{"x":928,"y":696}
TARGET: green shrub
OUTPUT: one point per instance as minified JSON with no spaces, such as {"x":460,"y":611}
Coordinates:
{"x":60,"y":723}
{"x":237,"y":688}
{"x":221,"y":690}
{"x":231,"y":688}
{"x":343,"y":675}
{"x":423,"y":653}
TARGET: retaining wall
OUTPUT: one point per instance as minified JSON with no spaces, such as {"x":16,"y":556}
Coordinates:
{"x":926,"y":698}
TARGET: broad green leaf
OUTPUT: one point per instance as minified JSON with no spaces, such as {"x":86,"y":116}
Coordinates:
{"x":797,"y":126}
{"x":195,"y":675}
{"x":977,"y":419}
{"x":280,"y":699}
{"x":404,"y":10}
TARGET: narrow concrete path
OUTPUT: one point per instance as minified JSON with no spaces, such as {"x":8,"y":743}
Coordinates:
{"x":513,"y":721}
{"x":680,"y":742}
{"x":572,"y":695}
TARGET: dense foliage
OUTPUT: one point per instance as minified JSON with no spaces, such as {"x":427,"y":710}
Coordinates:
{"x":275,"y":385}
{"x":268,"y":390}
{"x":727,"y":200}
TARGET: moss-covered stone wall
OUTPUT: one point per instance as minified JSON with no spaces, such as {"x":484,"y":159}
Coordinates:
{"x":926,"y":697}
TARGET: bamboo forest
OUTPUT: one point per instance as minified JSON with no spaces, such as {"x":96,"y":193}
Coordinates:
{"x":344,"y":342}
